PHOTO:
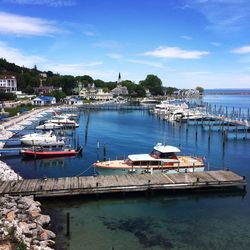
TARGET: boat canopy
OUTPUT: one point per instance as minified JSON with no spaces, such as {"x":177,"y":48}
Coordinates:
{"x":142,"y":157}
{"x":149,"y":158}
{"x":166,"y":148}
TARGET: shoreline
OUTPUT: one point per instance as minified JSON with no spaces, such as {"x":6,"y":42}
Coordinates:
{"x":21,"y":221}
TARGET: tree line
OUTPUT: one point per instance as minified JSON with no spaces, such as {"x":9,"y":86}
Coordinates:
{"x":28,"y":79}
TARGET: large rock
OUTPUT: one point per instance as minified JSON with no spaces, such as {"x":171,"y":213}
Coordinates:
{"x":10,"y":216}
{"x":46,"y":235}
{"x":43,"y":219}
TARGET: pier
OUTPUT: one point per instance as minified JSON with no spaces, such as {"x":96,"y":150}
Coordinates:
{"x":114,"y":107}
{"x":110,"y":184}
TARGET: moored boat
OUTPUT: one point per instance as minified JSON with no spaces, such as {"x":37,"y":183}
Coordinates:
{"x":163,"y":158}
{"x":65,"y":122}
{"x":49,"y":126}
{"x":39,"y":139}
{"x":40,"y":152}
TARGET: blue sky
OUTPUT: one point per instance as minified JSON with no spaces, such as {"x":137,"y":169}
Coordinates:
{"x":184,"y":42}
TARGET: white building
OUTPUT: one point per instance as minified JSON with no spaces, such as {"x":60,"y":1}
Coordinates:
{"x":44,"y":100}
{"x":103,"y":96}
{"x":8,"y":84}
{"x":73,"y":101}
{"x":93,"y":93}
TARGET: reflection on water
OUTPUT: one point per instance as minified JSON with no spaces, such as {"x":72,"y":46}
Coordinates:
{"x":191,"y":221}
{"x":198,"y":221}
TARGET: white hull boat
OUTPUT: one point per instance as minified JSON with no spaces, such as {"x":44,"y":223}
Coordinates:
{"x":37,"y":139}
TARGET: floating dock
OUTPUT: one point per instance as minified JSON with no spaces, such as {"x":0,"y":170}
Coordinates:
{"x":109,"y":184}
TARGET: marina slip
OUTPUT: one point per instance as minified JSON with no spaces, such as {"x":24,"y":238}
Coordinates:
{"x":120,"y":137}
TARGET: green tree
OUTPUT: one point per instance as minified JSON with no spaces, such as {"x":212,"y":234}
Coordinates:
{"x":58,"y":94}
{"x":200,"y":89}
{"x":140,"y":91}
{"x":169,"y":90}
{"x":153,"y":83}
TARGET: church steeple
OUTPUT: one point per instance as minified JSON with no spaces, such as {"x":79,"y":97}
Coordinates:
{"x":119,"y":78}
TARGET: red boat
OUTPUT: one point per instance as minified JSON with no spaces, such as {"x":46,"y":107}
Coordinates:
{"x":46,"y":153}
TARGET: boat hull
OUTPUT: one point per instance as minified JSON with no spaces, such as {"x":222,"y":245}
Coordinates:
{"x":112,"y":171}
{"x":49,"y":154}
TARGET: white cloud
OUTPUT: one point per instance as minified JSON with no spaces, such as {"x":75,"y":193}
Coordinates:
{"x":152,"y":64}
{"x":175,"y":52}
{"x":186,"y":37}
{"x":50,"y":3}
{"x":18,"y":57}
{"x":216,"y":44}
{"x":89,"y":33}
{"x":114,"y":55}
{"x":242,"y":50}
{"x":26,"y":26}
{"x":223,"y":15}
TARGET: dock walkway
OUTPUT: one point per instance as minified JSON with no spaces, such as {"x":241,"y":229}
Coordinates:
{"x":87,"y":185}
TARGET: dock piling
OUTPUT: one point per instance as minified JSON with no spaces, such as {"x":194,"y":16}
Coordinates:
{"x":104,"y":152}
{"x":67,"y":224}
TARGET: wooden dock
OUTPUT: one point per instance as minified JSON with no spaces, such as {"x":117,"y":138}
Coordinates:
{"x":87,"y":185}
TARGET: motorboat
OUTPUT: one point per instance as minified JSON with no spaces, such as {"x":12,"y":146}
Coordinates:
{"x":65,"y":122}
{"x":41,"y":152}
{"x":148,"y":101}
{"x":163,"y":158}
{"x":49,"y":126}
{"x":39,"y":139}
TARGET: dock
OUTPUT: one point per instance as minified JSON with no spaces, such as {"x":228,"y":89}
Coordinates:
{"x":110,"y":184}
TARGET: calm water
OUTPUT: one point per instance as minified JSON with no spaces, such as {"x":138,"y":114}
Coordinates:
{"x":187,"y":221}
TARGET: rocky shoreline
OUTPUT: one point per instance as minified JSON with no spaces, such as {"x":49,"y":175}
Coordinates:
{"x":21,"y":221}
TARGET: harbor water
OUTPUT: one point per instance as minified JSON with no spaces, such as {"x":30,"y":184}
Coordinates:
{"x":218,"y":220}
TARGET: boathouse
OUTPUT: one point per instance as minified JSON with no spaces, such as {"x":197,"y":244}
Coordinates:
{"x":44,"y":100}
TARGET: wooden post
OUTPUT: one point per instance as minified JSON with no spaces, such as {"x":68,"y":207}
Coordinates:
{"x":67,"y":224}
{"x":98,"y":149}
{"x":104,"y":152}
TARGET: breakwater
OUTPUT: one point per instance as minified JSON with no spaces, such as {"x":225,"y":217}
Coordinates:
{"x":21,"y":221}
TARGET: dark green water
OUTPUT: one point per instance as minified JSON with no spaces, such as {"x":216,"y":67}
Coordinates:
{"x":218,"y":220}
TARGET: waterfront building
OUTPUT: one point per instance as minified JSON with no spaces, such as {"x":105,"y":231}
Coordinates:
{"x":187,"y":92}
{"x":8,"y":84}
{"x":93,"y":93}
{"x":103,"y":96}
{"x":44,"y":100}
{"x":73,"y":101}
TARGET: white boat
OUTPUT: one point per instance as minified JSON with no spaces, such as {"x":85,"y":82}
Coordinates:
{"x":49,"y":126}
{"x":148,"y":101}
{"x":163,"y":158}
{"x":65,"y":116}
{"x":65,"y":122}
{"x":25,"y":123}
{"x":38,"y":139}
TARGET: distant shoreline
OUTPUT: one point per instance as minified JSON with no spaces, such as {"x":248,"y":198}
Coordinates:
{"x":227,"y":93}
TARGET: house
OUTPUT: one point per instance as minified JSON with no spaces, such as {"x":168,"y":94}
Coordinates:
{"x":8,"y":84}
{"x":187,"y":92}
{"x":119,"y":90}
{"x":83,"y":93}
{"x":73,"y":101}
{"x":93,"y":93}
{"x":103,"y":96}
{"x":44,"y":100}
{"x":44,"y":90}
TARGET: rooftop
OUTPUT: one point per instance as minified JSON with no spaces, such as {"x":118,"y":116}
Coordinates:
{"x":166,"y":148}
